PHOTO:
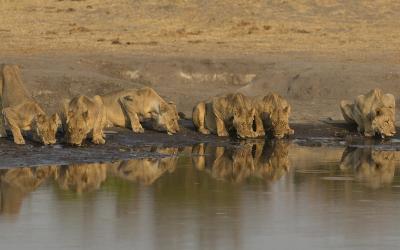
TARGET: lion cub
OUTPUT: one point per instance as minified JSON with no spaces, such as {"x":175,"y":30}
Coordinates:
{"x":125,"y":108}
{"x":226,"y":113}
{"x":82,"y":117}
{"x":374,"y":113}
{"x":22,"y":112}
{"x":274,"y":111}
{"x":128,"y":108}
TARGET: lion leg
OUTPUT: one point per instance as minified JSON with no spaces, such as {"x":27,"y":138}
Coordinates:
{"x":2,"y":120}
{"x":347,"y":111}
{"x":11,"y":118}
{"x":132,"y":115}
{"x":135,"y":123}
{"x":367,"y":128}
{"x":219,"y":123}
{"x":259,"y":126}
{"x":99,"y":123}
{"x":364,"y":125}
{"x":97,"y":138}
{"x":199,"y":117}
{"x":98,"y":134}
{"x":221,"y":129}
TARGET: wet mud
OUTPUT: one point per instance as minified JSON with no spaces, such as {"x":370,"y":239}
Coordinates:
{"x":122,"y":144}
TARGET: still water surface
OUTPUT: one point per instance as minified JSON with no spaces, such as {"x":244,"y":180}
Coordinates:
{"x":257,"y":196}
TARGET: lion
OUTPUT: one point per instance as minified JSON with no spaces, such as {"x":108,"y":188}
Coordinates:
{"x":373,"y":167}
{"x":373,"y":113}
{"x":125,"y":108}
{"x":223,"y":114}
{"x":274,"y":111}
{"x":83,"y":117}
{"x":263,"y":161}
{"x":22,"y":112}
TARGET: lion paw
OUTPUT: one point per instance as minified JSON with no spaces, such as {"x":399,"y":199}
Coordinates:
{"x":99,"y":140}
{"x":139,"y":130}
{"x":368,"y":134}
{"x":204,"y":131}
{"x":19,"y":140}
{"x":259,"y":134}
{"x":224,"y":133}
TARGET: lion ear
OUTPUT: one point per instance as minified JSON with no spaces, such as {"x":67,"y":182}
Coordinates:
{"x":172,"y":104}
{"x":163,"y":108}
{"x":286,"y":109}
{"x":17,"y":69}
{"x":40,"y":118}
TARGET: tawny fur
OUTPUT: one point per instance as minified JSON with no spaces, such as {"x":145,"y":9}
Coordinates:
{"x":224,"y":113}
{"x":374,"y":113}
{"x":274,"y":111}
{"x":22,"y":112}
{"x":126,"y":108}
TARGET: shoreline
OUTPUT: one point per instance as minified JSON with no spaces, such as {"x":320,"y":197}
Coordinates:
{"x":122,"y":144}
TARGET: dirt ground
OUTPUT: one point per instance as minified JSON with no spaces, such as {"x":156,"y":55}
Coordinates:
{"x":313,"y":52}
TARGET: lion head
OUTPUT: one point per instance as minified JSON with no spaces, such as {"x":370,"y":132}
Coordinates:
{"x":275,"y":113}
{"x":383,"y":121}
{"x":243,"y":120}
{"x":167,"y":120}
{"x":45,"y":128}
{"x":279,"y":122}
{"x":77,"y":127}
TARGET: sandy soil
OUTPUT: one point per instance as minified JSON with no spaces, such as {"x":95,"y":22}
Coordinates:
{"x":313,"y":52}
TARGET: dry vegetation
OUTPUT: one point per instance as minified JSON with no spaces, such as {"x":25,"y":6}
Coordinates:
{"x":174,"y":26}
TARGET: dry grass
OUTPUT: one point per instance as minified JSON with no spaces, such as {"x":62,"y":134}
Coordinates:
{"x":176,"y":26}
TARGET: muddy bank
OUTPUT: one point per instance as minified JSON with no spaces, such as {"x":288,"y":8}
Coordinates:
{"x":123,"y":144}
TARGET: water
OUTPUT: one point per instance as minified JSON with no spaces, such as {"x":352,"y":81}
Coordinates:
{"x":256,"y":196}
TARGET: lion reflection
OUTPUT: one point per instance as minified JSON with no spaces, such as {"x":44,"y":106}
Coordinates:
{"x":17,"y":183}
{"x":146,"y":170}
{"x":372,"y":167}
{"x":267,"y":161}
{"x":82,"y":178}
